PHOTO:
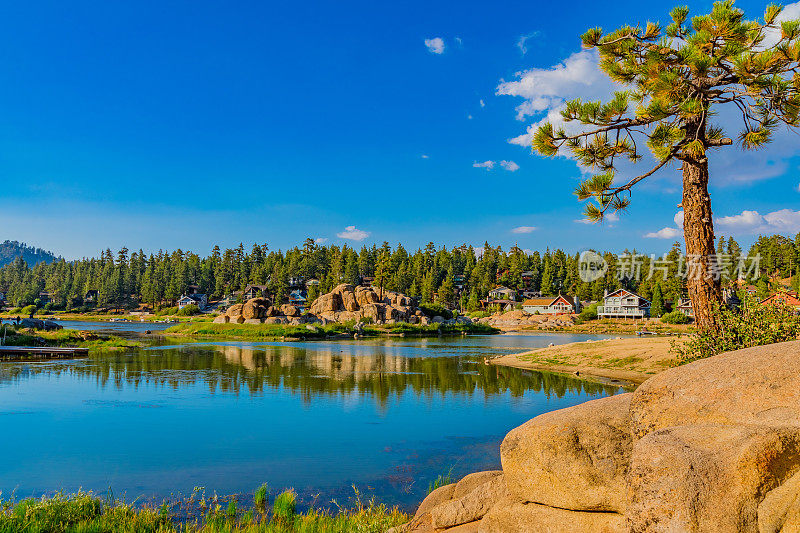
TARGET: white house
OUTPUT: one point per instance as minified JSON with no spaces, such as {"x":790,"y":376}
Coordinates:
{"x":200,"y":300}
{"x":551,"y":305}
{"x":503,"y":293}
{"x":623,"y":303}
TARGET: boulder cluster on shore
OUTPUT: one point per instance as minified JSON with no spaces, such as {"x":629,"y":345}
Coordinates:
{"x":345,"y":302}
{"x":713,"y":446}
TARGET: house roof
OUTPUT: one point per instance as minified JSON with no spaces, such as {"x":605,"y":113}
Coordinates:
{"x":789,"y":298}
{"x":501,"y":289}
{"x":626,"y":291}
{"x":257,"y":287}
{"x":570,"y":300}
{"x":538,"y":301}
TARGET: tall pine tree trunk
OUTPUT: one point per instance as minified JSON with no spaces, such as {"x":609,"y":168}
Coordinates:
{"x":698,"y":231}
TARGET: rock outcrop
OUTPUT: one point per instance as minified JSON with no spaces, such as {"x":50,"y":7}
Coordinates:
{"x":713,"y":446}
{"x":355,"y":302}
{"x":520,"y":319}
{"x":344,"y":303}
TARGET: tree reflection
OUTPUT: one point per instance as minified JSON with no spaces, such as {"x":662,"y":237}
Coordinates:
{"x":321,"y":371}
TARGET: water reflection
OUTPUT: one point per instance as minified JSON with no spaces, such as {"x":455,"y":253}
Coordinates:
{"x":229,"y":416}
{"x":310,"y":373}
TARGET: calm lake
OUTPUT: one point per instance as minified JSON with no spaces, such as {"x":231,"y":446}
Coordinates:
{"x":387,"y":416}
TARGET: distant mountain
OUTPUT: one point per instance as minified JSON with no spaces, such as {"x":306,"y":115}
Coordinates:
{"x":10,"y":250}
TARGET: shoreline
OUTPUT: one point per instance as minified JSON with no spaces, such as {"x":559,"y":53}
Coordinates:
{"x":627,"y":361}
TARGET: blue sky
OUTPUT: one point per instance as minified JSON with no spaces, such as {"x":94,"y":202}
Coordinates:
{"x":186,"y":124}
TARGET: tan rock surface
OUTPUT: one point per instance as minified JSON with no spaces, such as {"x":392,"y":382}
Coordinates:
{"x":471,"y":507}
{"x":471,"y":481}
{"x":708,"y":478}
{"x":758,"y":385}
{"x":518,"y":517}
{"x":575,"y":458}
{"x":779,"y":511}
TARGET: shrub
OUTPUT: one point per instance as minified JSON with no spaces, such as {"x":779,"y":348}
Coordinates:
{"x":432,"y":310}
{"x":167,"y":311}
{"x":27,"y":310}
{"x":751,"y":325}
{"x":675,"y":317}
{"x":189,"y":310}
{"x":588,"y":313}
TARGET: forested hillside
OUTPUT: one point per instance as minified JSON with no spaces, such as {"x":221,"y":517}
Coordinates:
{"x":431,"y":273}
{"x":10,"y":250}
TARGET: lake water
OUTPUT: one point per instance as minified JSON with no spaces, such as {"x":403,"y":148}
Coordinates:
{"x":386,"y":415}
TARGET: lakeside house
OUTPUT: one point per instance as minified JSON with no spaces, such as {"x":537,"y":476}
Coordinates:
{"x":200,"y":300}
{"x":44,"y":298}
{"x":255,"y":291}
{"x":296,"y":282}
{"x":503,"y":293}
{"x":505,"y":305}
{"x":91,"y":296}
{"x":299,"y":299}
{"x":623,"y":303}
{"x":550,"y":305}
{"x":788,"y":298}
{"x":685,"y":307}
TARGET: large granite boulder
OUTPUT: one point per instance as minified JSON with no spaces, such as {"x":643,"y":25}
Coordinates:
{"x":708,"y":478}
{"x":253,"y":309}
{"x":759,"y":385}
{"x":575,"y":458}
{"x":222,"y":319}
{"x":290,"y":310}
{"x":472,"y":506}
{"x":520,"y":517}
{"x":709,"y":447}
{"x":234,"y":310}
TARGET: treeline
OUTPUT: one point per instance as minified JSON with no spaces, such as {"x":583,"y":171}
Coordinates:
{"x":11,"y":250}
{"x":460,"y":275}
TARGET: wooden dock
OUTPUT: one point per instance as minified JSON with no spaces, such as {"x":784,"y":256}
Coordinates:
{"x":31,"y":353}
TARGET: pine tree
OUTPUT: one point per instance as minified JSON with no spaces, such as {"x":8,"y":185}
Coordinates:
{"x":657,"y":304}
{"x":678,"y":78}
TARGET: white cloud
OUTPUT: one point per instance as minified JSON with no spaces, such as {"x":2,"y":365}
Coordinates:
{"x":459,"y":40}
{"x":425,"y":156}
{"x":435,"y":45}
{"x":664,"y":233}
{"x":545,"y":90}
{"x":483,"y":104}
{"x":524,"y":229}
{"x":522,"y":40}
{"x":488,"y":165}
{"x":353,"y":234}
{"x":790,"y":12}
{"x":783,"y":221}
{"x":669,"y":233}
{"x":509,"y":165}
{"x":321,"y":240}
{"x":469,"y":117}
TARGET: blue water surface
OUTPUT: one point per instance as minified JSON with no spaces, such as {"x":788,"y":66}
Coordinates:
{"x":387,"y":416}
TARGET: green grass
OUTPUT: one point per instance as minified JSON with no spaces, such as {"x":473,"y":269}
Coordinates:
{"x":64,"y":337}
{"x":273,"y":331}
{"x":441,"y":480}
{"x":85,"y":513}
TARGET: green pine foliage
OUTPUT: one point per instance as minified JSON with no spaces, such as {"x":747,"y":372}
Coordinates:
{"x":158,"y":280}
{"x":675,"y":78}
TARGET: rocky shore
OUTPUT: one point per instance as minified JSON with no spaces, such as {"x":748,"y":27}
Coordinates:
{"x":713,"y":446}
{"x":344,"y":303}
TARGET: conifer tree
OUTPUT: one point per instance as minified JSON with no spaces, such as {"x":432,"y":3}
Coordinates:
{"x":657,"y":304}
{"x":676,"y":79}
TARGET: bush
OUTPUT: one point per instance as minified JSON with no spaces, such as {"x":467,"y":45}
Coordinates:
{"x":588,"y":313}
{"x":167,"y":311}
{"x":189,"y":310}
{"x":431,"y":310}
{"x":751,"y":325}
{"x":675,"y":317}
{"x":28,"y":310}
